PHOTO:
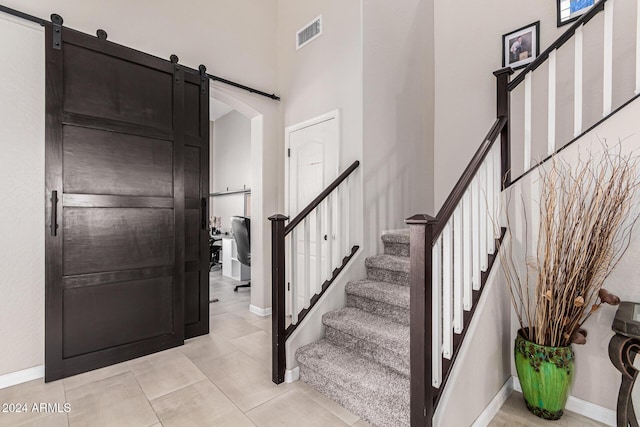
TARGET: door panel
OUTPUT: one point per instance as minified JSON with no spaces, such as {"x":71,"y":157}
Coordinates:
{"x":192,"y":234}
{"x":118,"y":218}
{"x":109,"y":239}
{"x":196,"y":191}
{"x":102,"y":85}
{"x":101,"y":162}
{"x":192,"y":172}
{"x":113,"y":314}
{"x":192,"y":110}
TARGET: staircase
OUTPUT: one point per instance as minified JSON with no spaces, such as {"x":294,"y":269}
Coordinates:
{"x":388,"y":354}
{"x":363,"y":361}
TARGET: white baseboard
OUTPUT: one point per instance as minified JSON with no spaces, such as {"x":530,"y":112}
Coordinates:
{"x":292,"y":375}
{"x":582,"y":407}
{"x":260,"y":311}
{"x":494,"y":406}
{"x":15,"y":378}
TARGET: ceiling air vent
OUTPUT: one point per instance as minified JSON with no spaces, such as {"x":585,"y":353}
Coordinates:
{"x":309,"y":32}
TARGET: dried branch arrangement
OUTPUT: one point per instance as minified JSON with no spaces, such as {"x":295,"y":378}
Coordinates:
{"x":587,"y":215}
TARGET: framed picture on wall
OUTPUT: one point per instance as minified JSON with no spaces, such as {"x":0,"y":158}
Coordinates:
{"x":521,"y":47}
{"x":570,"y":10}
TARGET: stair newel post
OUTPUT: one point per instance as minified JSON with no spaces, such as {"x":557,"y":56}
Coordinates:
{"x":420,"y":248}
{"x":503,"y":110}
{"x":278,"y":291}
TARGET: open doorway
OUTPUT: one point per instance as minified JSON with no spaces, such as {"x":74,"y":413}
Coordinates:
{"x":230,"y":207}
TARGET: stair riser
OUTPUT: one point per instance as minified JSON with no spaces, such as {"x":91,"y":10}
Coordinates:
{"x":398,"y":249}
{"x":383,"y":275}
{"x":351,"y":401}
{"x":395,"y":313}
{"x":369,"y":350}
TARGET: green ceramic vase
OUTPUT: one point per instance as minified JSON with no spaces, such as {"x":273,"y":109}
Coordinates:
{"x":546,"y":375}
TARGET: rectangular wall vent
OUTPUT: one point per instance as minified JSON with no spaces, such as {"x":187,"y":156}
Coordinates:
{"x":309,"y":32}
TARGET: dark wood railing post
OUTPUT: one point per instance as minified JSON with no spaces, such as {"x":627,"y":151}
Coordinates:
{"x":503,"y":110}
{"x":277,"y":297}
{"x":420,"y":244}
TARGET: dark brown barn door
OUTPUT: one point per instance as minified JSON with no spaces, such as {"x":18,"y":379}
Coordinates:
{"x":119,"y":169}
{"x":196,"y":192}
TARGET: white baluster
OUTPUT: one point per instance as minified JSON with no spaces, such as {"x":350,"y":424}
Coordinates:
{"x":528,"y":78}
{"x":294,"y":277}
{"x":337,"y":262}
{"x":436,"y":330}
{"x":319,"y":280}
{"x":329,"y":236}
{"x":306,"y":285}
{"x":577,"y":82}
{"x":482,"y":174}
{"x":489,"y":160}
{"x":347,"y":217}
{"x":458,"y":312}
{"x":637,"y":48}
{"x":447,"y":292}
{"x":498,"y":190}
{"x":607,"y":75}
{"x":288,"y":303}
{"x":467,"y":250}
{"x":551,"y":129}
{"x":475,"y":235}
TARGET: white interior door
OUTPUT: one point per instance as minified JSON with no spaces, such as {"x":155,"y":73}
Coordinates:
{"x":312,"y":165}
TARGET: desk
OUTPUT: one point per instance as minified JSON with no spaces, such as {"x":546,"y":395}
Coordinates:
{"x":231,"y":267}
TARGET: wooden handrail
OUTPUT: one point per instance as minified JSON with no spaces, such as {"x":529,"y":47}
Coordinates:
{"x":315,"y":202}
{"x":595,"y":9}
{"x":449,"y":206}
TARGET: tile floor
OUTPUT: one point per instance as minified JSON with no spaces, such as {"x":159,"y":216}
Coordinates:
{"x":514,"y":413}
{"x":222,"y":379}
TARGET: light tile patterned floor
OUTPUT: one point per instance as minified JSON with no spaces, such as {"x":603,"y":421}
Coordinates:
{"x":222,"y":379}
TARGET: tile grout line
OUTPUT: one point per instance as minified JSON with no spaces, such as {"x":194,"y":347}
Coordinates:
{"x":64,"y":392}
{"x":143,"y":393}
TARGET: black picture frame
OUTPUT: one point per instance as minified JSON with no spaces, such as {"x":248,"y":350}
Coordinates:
{"x":565,"y":15}
{"x":522,"y":46}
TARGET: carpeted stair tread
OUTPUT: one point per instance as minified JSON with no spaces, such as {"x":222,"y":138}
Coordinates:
{"x":384,"y":292}
{"x":388,"y":268}
{"x":375,"y":393}
{"x":389,"y":262}
{"x":381,"y":331}
{"x":396,"y":236}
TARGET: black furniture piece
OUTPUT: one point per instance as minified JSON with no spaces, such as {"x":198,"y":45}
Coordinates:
{"x":623,"y":348}
{"x":215,"y":247}
{"x":241,"y":228}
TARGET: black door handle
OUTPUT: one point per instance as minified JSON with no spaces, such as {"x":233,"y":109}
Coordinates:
{"x":54,"y":213}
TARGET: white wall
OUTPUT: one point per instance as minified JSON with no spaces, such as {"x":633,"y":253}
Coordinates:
{"x":398,"y":114}
{"x":468,"y":50}
{"x":22,"y":224}
{"x":468,"y":43}
{"x":326,"y":74}
{"x":231,"y":165}
{"x":234,"y":39}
